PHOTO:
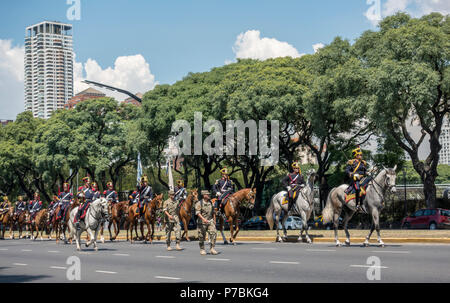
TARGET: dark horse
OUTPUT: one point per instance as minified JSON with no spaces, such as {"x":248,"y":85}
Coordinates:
{"x":186,"y":211}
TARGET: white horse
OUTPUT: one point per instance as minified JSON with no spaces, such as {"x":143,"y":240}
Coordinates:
{"x":96,"y":214}
{"x":373,"y":204}
{"x":303,"y":207}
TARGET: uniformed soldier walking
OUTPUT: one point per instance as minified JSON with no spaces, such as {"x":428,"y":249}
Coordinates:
{"x":171,"y":211}
{"x":206,"y":222}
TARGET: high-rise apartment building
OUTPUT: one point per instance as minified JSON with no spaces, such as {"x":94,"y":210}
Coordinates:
{"x":48,"y":67}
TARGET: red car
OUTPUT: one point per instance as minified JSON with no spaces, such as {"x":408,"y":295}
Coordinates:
{"x":428,"y":218}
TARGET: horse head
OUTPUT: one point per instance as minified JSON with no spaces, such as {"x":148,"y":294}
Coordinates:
{"x":104,"y":206}
{"x":158,"y":200}
{"x":251,"y":196}
{"x":390,"y":176}
{"x":194,"y":193}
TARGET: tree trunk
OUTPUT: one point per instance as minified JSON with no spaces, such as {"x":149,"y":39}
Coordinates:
{"x":429,"y":190}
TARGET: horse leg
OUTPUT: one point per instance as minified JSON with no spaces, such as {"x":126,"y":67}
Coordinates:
{"x":336,"y":226}
{"x":304,"y":228}
{"x":277,"y":222}
{"x":237,"y":229}
{"x":230,"y":221}
{"x":143,"y":238}
{"x":109,"y":229}
{"x":283,"y":226}
{"x":102,"y":238}
{"x":221,"y":230}
{"x":94,"y":237}
{"x":131,"y":231}
{"x":346,"y":219}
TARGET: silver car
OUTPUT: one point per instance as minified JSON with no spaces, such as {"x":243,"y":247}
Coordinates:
{"x":292,"y":222}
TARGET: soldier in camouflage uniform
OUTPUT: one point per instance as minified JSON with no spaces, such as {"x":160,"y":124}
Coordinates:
{"x":206,"y":222}
{"x":171,"y":211}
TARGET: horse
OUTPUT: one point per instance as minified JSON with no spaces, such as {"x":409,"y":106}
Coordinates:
{"x":118,"y":212}
{"x":7,"y":219}
{"x":303,"y":207}
{"x":373,"y":204}
{"x":150,"y":217}
{"x":21,"y":220}
{"x":231,"y":211}
{"x":40,"y":223}
{"x":61,"y":224}
{"x":96,"y":213}
{"x":131,"y":220}
{"x":186,"y":211}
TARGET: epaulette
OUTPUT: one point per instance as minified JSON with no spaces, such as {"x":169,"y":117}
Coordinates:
{"x":364,"y":162}
{"x":351,"y":161}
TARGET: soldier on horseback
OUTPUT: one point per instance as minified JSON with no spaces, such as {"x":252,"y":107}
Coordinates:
{"x":133,"y":197}
{"x":223,"y":188}
{"x":293,"y":182}
{"x":180,"y":191}
{"x":35,"y":206}
{"x":145,"y":195}
{"x":20,"y":206}
{"x":4,"y":206}
{"x":356,"y":169}
{"x":110,"y":194}
{"x":65,"y":199}
{"x":88,"y":194}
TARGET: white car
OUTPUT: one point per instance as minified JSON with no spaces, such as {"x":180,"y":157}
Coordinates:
{"x":292,"y":222}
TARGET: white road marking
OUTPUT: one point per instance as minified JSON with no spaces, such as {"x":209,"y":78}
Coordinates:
{"x":20,"y":264}
{"x":53,"y":251}
{"x":26,"y":250}
{"x":283,"y":262}
{"x":58,"y":267}
{"x":214,"y":259}
{"x":125,"y":255}
{"x":3,"y":249}
{"x":168,"y":278}
{"x":264,"y":248}
{"x":391,"y":251}
{"x":371,"y":266}
{"x":105,"y":272}
{"x":321,"y":249}
{"x":166,"y":257}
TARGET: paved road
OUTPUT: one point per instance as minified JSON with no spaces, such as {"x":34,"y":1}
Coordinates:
{"x":45,"y":261}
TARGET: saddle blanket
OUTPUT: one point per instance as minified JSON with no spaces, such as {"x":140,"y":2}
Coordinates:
{"x":352,"y":195}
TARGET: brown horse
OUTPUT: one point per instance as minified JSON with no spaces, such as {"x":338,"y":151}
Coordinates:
{"x":21,"y":220}
{"x":186,"y":211}
{"x":232,"y":211}
{"x":117,"y":211}
{"x":39,"y":223}
{"x":60,"y":225}
{"x":6,"y":219}
{"x":133,"y":213}
{"x":150,"y":217}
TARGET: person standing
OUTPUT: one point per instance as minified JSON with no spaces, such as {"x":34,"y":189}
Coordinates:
{"x":206,"y":222}
{"x":171,"y":211}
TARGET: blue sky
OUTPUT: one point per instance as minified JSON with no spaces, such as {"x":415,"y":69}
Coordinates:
{"x":177,"y":37}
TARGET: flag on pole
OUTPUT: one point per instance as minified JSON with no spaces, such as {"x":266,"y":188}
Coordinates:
{"x":139,"y":169}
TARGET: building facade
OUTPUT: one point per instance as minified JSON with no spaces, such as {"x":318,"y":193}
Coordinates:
{"x":444,"y":140}
{"x":48,"y":67}
{"x":5,"y":122}
{"x":87,"y":94}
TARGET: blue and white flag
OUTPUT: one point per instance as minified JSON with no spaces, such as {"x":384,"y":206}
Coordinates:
{"x":139,"y":169}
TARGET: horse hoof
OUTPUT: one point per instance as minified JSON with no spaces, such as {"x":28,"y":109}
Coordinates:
{"x":338,"y":244}
{"x":225,"y":242}
{"x":347,"y":243}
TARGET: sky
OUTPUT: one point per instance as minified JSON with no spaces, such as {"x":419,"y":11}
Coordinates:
{"x":138,"y":44}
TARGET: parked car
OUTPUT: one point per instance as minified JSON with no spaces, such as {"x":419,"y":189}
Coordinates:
{"x":318,"y":224}
{"x":257,"y":222}
{"x":428,"y":218}
{"x":292,"y":222}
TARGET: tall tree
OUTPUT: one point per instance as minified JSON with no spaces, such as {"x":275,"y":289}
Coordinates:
{"x":409,"y":78}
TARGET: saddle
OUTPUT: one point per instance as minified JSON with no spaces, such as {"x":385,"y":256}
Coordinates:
{"x":351,"y":195}
{"x":225,"y":199}
{"x":292,"y":194}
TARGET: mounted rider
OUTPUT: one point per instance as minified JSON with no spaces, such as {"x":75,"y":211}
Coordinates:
{"x":35,"y":206}
{"x":97,"y":194}
{"x":133,"y":197}
{"x":145,"y":195}
{"x":4,"y":206}
{"x":65,"y":198}
{"x":20,"y":206}
{"x":52,"y":207}
{"x":110,"y":194}
{"x":88,"y":194}
{"x":356,"y":169}
{"x":180,"y":191}
{"x":223,"y":188}
{"x":293,"y":182}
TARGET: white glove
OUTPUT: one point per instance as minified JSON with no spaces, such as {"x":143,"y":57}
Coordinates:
{"x":357,"y":176}
{"x":289,"y":188}
{"x":217,"y":194}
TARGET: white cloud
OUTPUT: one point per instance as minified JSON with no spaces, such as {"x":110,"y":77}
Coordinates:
{"x":11,"y":79}
{"x":251,"y":45}
{"x":131,"y":73}
{"x":415,"y":8}
{"x":317,"y":46}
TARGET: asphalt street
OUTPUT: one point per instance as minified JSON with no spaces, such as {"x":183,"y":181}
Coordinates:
{"x":45,"y":261}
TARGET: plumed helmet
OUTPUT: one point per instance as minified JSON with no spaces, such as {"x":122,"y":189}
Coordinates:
{"x":86,"y":179}
{"x":224,"y":171}
{"x":357,"y":151}
{"x":110,"y":183}
{"x":180,"y":182}
{"x":144,"y":178}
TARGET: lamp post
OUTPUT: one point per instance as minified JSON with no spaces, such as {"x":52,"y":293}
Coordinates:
{"x":404,"y":182}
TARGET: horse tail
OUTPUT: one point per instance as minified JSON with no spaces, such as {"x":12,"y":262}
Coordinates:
{"x":328,"y":211}
{"x":269,"y":213}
